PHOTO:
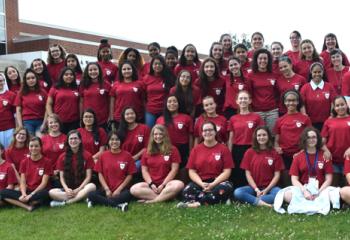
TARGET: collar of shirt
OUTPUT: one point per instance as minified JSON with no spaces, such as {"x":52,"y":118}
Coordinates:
{"x":314,"y":86}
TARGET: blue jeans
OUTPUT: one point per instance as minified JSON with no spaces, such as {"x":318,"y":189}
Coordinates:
{"x":6,"y":137}
{"x":248,"y":195}
{"x":33,"y":125}
{"x":150,"y":119}
{"x":269,"y":118}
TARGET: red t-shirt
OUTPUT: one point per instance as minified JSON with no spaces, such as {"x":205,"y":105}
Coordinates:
{"x":145,"y":69}
{"x":302,"y":67}
{"x":327,"y":63}
{"x":299,"y":167}
{"x":97,"y":98}
{"x":193,"y":69}
{"x":243,"y":127}
{"x":345,"y":90}
{"x":34,"y":171}
{"x":293,"y":56}
{"x":32,"y":104}
{"x":286,"y":84}
{"x":232,"y":89}
{"x":335,"y":78}
{"x":155,"y":93}
{"x":159,"y":165}
{"x":196,"y":95}
{"x":55,"y":70}
{"x":16,"y":155}
{"x":65,"y":103}
{"x":250,"y":54}
{"x":109,"y":71}
{"x":44,"y":85}
{"x":210,"y":162}
{"x":53,"y":147}
{"x":88,"y":141}
{"x":289,"y":127}
{"x":180,"y":130}
{"x":89,"y":162}
{"x":317,"y":102}
{"x":262,"y":86}
{"x":221,"y":127}
{"x":128,"y":94}
{"x":216,"y":89}
{"x":337,"y":132}
{"x":136,"y":139}
{"x":7,"y":175}
{"x":262,"y":165}
{"x":7,"y":109}
{"x":15,"y":88}
{"x":115,"y":167}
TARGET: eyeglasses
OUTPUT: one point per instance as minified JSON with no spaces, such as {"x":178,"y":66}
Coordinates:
{"x":294,"y":38}
{"x":208,"y":130}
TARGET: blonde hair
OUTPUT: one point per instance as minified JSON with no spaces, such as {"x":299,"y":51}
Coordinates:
{"x":162,"y":148}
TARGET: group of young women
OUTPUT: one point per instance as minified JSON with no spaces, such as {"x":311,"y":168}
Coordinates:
{"x":239,"y":124}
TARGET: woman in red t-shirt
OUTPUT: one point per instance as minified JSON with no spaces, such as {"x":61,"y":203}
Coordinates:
{"x":109,"y":70}
{"x":335,"y":73}
{"x":241,"y":52}
{"x":30,"y":104}
{"x":189,"y":61}
{"x":317,"y":96}
{"x":241,"y":127}
{"x":8,"y":177}
{"x":287,"y":80}
{"x":235,"y":82}
{"x":187,"y":93}
{"x":94,"y":93}
{"x":40,"y":67}
{"x":293,"y":54}
{"x":217,"y":53}
{"x":134,"y":136}
{"x":73,"y":63}
{"x":257,"y":41}
{"x":179,"y":126}
{"x":171,"y":58}
{"x":308,"y":56}
{"x":226,"y":41}
{"x":209,"y":106}
{"x":93,"y":137}
{"x":13,"y":79}
{"x":115,"y":169}
{"x":55,"y":61}
{"x":276,"y":52}
{"x":63,"y":100}
{"x":310,"y":172}
{"x":211,"y":82}
{"x":128,"y":91}
{"x":330,"y":43}
{"x":35,"y":171}
{"x":263,"y":166}
{"x":75,"y":166}
{"x":160,"y":164}
{"x":7,"y":110}
{"x":53,"y":144}
{"x":209,"y":168}
{"x":336,"y":136}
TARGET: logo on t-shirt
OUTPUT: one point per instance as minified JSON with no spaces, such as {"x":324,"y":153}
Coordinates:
{"x":140,"y":138}
{"x":218,"y":128}
{"x":45,"y":84}
{"x":217,"y":91}
{"x":270,"y":161}
{"x":166,"y":157}
{"x":4,"y":102}
{"x":348,"y":123}
{"x":296,"y":87}
{"x":326,"y":95}
{"x":41,"y":171}
{"x":135,"y":89}
{"x":217,"y":156}
{"x":2,"y":176}
{"x":122,"y":166}
{"x":240,"y":86}
{"x":298,"y":124}
{"x":108,"y":72}
{"x":223,"y":72}
{"x":320,"y":165}
{"x":250,"y":124}
{"x":180,"y":125}
{"x":272,"y":81}
{"x":61,"y":145}
{"x":76,"y":93}
{"x":102,"y":91}
{"x":96,"y":143}
{"x":40,"y":97}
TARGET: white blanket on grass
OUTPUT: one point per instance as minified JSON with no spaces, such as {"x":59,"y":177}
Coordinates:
{"x":298,"y":204}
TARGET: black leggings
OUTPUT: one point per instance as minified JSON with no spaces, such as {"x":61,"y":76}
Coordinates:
{"x":99,"y":197}
{"x":41,"y":197}
{"x":219,"y":194}
{"x":238,"y":177}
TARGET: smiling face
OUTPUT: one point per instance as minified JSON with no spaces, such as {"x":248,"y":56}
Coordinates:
{"x":53,"y":124}
{"x":227,"y":42}
{"x":172,"y":104}
{"x":209,"y":69}
{"x":331,"y":43}
{"x":171,"y":60}
{"x":12,"y":74}
{"x":74,"y":141}
{"x":114,"y":142}
{"x":262,"y":137}
{"x":311,"y":140}
{"x":158,"y":136}
{"x":55,"y":52}
{"x":21,"y":136}
{"x":68,"y":76}
{"x":262,"y":61}
{"x":71,"y":62}
{"x":307,"y":50}
{"x":294,"y":40}
{"x":243,"y":100}
{"x":131,"y":56}
{"x":317,"y":74}
{"x":209,"y":105}
{"x":2,"y":82}
{"x":38,"y":67}
{"x":88,"y":119}
{"x":31,"y":79}
{"x":190,"y":53}
{"x":217,"y":51}
{"x":285,"y":68}
{"x":185,"y":78}
{"x":130,"y":116}
{"x":257,"y":41}
{"x":208,"y":132}
{"x":105,"y":53}
{"x":241,"y":54}
{"x":340,"y":107}
{"x":34,"y":148}
{"x":291,"y":102}
{"x":93,"y":71}
{"x":153,"y":51}
{"x":126,"y":71}
{"x":337,"y":60}
{"x":157,"y":66}
{"x":276,"y":50}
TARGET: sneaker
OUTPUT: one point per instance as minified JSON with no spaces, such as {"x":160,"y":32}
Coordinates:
{"x":182,"y":205}
{"x":228,"y":202}
{"x":123,"y":207}
{"x":57,"y":203}
{"x":89,"y":204}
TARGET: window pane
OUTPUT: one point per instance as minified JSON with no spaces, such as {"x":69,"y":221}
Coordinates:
{"x":2,"y":6}
{"x":2,"y":21}
{"x":2,"y":35}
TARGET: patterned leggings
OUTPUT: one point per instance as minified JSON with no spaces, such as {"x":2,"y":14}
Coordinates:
{"x":220,"y":193}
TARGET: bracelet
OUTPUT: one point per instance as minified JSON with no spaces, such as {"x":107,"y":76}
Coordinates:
{"x":256,"y":189}
{"x":150,"y":184}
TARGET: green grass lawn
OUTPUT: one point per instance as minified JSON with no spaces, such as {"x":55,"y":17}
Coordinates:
{"x":164,"y":221}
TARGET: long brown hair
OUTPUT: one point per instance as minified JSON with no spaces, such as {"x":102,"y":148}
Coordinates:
{"x":162,"y":148}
